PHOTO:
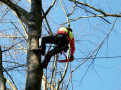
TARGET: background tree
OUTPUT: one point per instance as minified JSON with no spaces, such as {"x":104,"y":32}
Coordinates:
{"x":23,"y":22}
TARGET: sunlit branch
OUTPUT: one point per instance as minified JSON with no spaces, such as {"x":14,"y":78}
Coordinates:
{"x":11,"y":37}
{"x":85,"y":4}
{"x":92,"y":13}
{"x":20,"y":12}
{"x":65,"y":13}
{"x":4,"y":14}
{"x":72,"y":11}
{"x":111,"y":15}
{"x":44,"y":81}
{"x":10,"y":77}
{"x":65,"y":71}
{"x":25,"y":31}
{"x":14,"y":48}
{"x":10,"y":84}
{"x":68,"y":82}
{"x":20,"y":46}
{"x":54,"y":69}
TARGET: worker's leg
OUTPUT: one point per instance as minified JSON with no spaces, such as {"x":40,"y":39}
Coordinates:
{"x":54,"y":39}
{"x":42,"y":44}
{"x":62,"y":44}
{"x":54,"y":51}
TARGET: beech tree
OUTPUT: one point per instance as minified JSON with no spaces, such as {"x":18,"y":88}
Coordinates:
{"x":24,"y":21}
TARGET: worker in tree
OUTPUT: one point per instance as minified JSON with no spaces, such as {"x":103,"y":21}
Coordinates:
{"x":63,"y":37}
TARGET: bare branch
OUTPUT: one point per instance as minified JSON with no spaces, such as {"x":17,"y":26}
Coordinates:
{"x":112,"y":15}
{"x":20,"y":12}
{"x":92,"y":13}
{"x":65,"y":14}
{"x":11,"y":36}
{"x":72,"y":11}
{"x":100,"y":44}
{"x":20,"y":45}
{"x":25,"y":31}
{"x":44,"y":82}
{"x":11,"y":85}
{"x":98,"y":10}
{"x":10,"y":77}
{"x":65,"y":71}
{"x":14,"y":48}
{"x":2,"y":79}
{"x":45,"y":14}
{"x":18,"y":30}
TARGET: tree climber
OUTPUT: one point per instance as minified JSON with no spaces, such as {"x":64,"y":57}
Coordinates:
{"x":63,"y":37}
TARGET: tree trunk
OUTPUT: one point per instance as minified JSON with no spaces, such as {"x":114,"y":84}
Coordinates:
{"x":34,"y":70}
{"x":2,"y":79}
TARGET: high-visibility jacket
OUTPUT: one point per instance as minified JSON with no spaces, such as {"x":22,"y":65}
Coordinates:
{"x":70,"y":37}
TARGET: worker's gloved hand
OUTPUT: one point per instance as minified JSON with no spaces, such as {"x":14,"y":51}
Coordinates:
{"x":71,"y":59}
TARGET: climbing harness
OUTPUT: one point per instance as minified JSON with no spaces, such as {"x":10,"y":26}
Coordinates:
{"x":65,"y":60}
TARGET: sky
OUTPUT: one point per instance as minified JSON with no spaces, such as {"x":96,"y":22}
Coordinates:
{"x":103,"y":73}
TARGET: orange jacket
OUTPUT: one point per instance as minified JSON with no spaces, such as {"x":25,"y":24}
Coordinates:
{"x":70,"y":36}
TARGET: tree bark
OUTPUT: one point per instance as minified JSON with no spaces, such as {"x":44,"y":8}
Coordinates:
{"x":34,"y":68}
{"x":2,"y":79}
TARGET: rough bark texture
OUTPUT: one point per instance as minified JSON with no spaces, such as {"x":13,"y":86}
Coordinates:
{"x":2,"y":79}
{"x":34,"y":70}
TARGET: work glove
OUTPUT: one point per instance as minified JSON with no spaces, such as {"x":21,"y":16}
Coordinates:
{"x":71,"y":59}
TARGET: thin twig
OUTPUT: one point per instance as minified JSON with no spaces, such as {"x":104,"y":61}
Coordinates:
{"x":100,"y":44}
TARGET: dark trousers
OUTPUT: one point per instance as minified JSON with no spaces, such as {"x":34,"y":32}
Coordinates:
{"x":61,"y":41}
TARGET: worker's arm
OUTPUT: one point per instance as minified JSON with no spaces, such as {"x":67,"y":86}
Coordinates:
{"x":72,"y":47}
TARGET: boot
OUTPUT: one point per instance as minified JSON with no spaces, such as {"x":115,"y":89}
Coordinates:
{"x":39,"y":51}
